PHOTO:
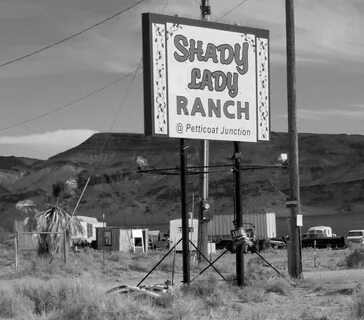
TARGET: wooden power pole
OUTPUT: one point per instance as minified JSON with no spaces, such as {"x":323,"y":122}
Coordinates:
{"x":204,"y":205}
{"x":294,"y":243}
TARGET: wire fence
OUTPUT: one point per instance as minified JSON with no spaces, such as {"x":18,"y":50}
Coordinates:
{"x":28,"y":241}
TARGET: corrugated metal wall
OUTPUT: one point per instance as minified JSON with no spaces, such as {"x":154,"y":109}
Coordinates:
{"x":265,"y":225}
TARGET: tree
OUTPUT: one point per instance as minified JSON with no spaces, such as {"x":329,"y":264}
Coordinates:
{"x":52,"y":216}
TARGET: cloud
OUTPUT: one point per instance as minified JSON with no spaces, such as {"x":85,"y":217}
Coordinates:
{"x":43,"y":145}
{"x":319,"y":115}
{"x":70,"y":137}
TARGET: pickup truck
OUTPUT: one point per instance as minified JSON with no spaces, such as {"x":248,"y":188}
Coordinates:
{"x":322,"y":237}
{"x":355,"y":237}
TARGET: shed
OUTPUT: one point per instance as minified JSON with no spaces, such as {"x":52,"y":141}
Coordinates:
{"x":121,"y":239}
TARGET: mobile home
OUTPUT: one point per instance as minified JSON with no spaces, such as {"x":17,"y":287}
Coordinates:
{"x":89,"y":225}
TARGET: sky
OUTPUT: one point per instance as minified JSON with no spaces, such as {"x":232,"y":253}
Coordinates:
{"x":39,"y":115}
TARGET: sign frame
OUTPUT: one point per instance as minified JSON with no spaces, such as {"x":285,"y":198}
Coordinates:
{"x":156,"y":103}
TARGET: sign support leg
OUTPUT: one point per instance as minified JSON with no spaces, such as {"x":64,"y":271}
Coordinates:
{"x":185,"y":233}
{"x":239,"y":215}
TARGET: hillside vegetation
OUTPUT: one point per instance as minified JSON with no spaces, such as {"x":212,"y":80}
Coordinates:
{"x":331,"y":177}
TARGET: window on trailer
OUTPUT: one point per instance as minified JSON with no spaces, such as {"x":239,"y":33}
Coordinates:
{"x":89,"y":230}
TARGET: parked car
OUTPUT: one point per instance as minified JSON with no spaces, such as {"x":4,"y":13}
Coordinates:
{"x":277,"y":243}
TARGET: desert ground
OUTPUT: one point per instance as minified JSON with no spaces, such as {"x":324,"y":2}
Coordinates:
{"x":331,"y":288}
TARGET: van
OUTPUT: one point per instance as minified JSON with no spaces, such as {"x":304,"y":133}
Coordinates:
{"x":355,"y":237}
{"x":320,"y":232}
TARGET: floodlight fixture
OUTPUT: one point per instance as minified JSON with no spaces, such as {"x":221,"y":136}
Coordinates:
{"x":142,"y":163}
{"x":283,"y":157}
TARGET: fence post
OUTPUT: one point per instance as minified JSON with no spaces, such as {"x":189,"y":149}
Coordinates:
{"x":16,"y":250}
{"x":314,"y":254}
{"x":64,"y":248}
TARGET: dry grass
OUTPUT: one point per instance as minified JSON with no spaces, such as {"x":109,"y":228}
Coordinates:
{"x":40,"y":290}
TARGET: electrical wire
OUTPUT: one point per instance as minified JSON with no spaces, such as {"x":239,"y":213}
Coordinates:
{"x":67,"y":105}
{"x":69,"y":37}
{"x":101,"y":151}
{"x":233,"y":9}
{"x":165,"y":6}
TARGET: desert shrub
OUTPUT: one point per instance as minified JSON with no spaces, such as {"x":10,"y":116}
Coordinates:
{"x":257,"y":272}
{"x":355,"y":259}
{"x":279,"y":286}
{"x":262,"y":244}
{"x":211,"y":292}
{"x":249,"y":293}
{"x":310,"y":315}
{"x":115,"y":257}
{"x":183,"y":308}
{"x":56,"y":295}
{"x":357,"y":308}
{"x":14,"y":306}
{"x":88,"y":311}
{"x":130,"y":307}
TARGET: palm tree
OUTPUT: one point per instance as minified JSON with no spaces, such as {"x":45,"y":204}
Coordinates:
{"x":52,"y":216}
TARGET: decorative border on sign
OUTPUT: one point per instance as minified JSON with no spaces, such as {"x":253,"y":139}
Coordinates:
{"x":250,"y":39}
{"x":263,"y":89}
{"x":159,"y":79}
{"x":172,"y":28}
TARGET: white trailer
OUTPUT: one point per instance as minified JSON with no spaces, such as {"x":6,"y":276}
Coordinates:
{"x":265,"y":225}
{"x":89,"y":225}
{"x":175,"y":233}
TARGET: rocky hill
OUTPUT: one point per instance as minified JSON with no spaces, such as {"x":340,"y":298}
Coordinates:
{"x":331,"y":177}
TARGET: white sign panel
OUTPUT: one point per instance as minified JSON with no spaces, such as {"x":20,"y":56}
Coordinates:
{"x":205,"y":80}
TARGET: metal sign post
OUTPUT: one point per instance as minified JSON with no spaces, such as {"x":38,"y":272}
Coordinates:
{"x":239,"y":215}
{"x":202,"y":240}
{"x":185,"y":233}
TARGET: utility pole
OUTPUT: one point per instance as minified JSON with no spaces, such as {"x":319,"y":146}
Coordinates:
{"x":204,"y":206}
{"x":294,"y":244}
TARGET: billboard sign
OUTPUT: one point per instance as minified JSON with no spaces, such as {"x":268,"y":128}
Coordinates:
{"x":205,"y":80}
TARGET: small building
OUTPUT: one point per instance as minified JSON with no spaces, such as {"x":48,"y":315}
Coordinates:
{"x":121,"y":239}
{"x":175,"y":233}
{"x":89,"y":225}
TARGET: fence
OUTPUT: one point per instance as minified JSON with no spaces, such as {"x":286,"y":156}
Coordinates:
{"x":24,"y":241}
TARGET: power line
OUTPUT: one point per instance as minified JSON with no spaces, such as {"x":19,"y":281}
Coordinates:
{"x":69,"y":37}
{"x":101,"y":151}
{"x":67,"y":105}
{"x":233,"y":9}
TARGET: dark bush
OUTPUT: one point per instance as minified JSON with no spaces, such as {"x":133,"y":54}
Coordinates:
{"x":355,"y":259}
